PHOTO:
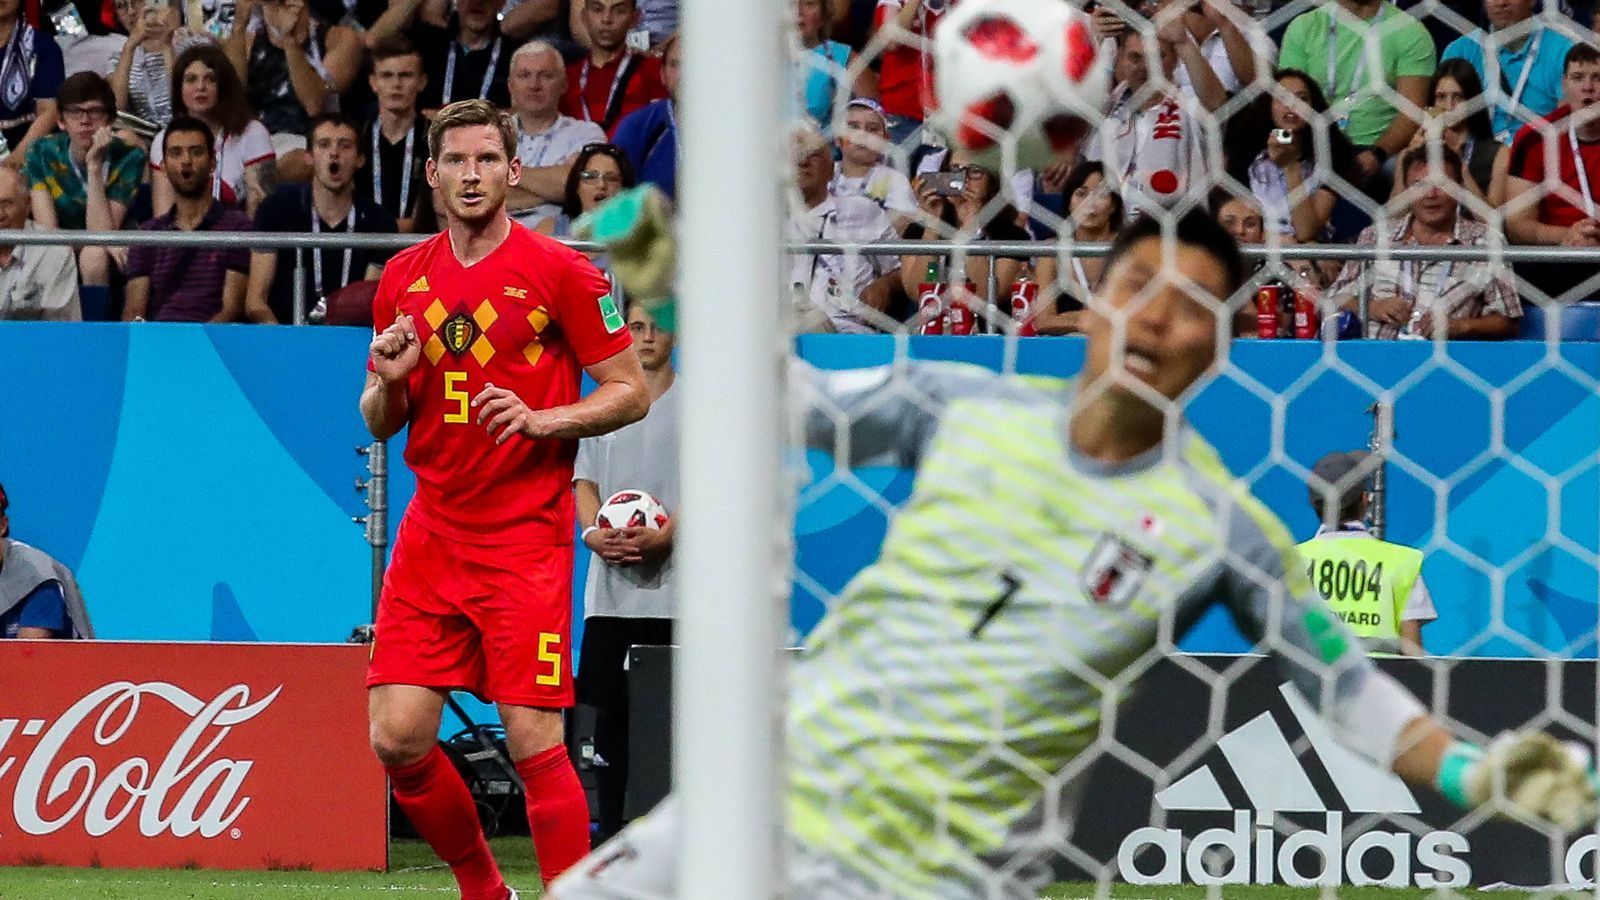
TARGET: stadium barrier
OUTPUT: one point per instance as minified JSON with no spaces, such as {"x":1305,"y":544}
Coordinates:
{"x":218,"y":756}
{"x":1275,"y":799}
{"x":199,"y":478}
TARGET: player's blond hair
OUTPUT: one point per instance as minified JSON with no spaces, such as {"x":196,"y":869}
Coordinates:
{"x":467,"y":114}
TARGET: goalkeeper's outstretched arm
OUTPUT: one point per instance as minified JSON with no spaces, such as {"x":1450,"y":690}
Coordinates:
{"x":1526,"y":774}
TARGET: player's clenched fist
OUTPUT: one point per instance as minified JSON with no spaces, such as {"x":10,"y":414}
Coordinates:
{"x":395,"y":350}
{"x":504,"y":414}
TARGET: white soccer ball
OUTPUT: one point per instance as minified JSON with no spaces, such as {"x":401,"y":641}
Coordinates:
{"x":1027,"y":73}
{"x":632,"y":509}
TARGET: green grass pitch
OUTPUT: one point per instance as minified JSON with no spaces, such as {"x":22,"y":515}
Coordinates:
{"x":417,"y":874}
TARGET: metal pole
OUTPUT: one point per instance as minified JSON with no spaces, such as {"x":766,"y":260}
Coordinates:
{"x":300,"y":287}
{"x":1380,"y":443}
{"x":731,"y":553}
{"x":378,"y":517}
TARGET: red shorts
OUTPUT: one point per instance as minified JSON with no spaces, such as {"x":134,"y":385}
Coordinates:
{"x":496,"y":621}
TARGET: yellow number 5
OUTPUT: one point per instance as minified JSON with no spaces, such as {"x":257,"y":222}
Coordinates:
{"x":452,"y":391}
{"x":548,"y":654}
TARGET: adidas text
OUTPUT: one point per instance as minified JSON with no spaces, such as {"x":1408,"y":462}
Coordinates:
{"x":1260,"y":855}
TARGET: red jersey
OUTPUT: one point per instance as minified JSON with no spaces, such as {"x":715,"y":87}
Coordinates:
{"x":528,"y":317}
{"x":605,"y":94}
{"x":905,"y":71}
{"x":1528,"y":160}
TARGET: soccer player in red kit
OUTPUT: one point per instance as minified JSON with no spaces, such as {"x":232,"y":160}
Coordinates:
{"x":481,"y":333}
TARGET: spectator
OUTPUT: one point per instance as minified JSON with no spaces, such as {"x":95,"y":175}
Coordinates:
{"x":598,"y":173}
{"x":1330,"y":43}
{"x":1149,"y":141}
{"x":1291,"y":180}
{"x":650,"y":136}
{"x":547,"y":141}
{"x":905,"y":68}
{"x":31,"y":71}
{"x":394,"y":176}
{"x":861,"y":171}
{"x":820,"y":63}
{"x":970,"y":206}
{"x":658,"y":20}
{"x":526,"y":20}
{"x":1241,"y":216}
{"x":84,"y":177}
{"x":629,"y":597}
{"x":1563,"y":209}
{"x":205,"y":87}
{"x":330,"y":203}
{"x":36,"y":281}
{"x":293,"y":66}
{"x":171,"y":284}
{"x":612,"y":81}
{"x":1387,"y":612}
{"x":39,"y":598}
{"x":846,"y":293}
{"x":1458,"y":121}
{"x":1094,"y":215}
{"x":1231,"y":49}
{"x":1526,"y":77}
{"x":1421,"y":299}
{"x":142,"y":78}
{"x":467,"y":56}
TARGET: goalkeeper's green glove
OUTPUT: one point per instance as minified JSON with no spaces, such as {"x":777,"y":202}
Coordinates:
{"x":636,"y":228}
{"x":1528,"y":772}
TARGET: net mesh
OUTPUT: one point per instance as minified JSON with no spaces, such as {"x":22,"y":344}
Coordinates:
{"x":1244,"y":113}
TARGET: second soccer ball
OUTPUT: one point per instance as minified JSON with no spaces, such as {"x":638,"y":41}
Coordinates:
{"x":632,"y":509}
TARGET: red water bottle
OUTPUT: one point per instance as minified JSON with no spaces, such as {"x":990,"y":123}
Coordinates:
{"x":1305,"y":314}
{"x":1267,"y":309}
{"x":1024,"y":294}
{"x":959,"y":316}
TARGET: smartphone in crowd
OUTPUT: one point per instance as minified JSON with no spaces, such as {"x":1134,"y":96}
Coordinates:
{"x":947,"y":184}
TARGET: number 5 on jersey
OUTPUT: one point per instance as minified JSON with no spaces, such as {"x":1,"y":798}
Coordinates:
{"x":454,"y":393}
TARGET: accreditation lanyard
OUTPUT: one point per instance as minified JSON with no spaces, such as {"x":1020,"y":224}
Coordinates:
{"x":611,"y":95}
{"x":488,"y":73}
{"x":1510,"y":106}
{"x":1411,"y":275}
{"x":105,"y":169}
{"x":406,"y":163}
{"x":316,"y":254}
{"x":1578,"y":164}
{"x":1358,"y":76}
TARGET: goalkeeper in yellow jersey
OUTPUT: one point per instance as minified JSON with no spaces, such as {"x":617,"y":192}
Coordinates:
{"x":1061,"y":535}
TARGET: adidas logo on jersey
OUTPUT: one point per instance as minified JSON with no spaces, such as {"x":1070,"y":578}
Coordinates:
{"x":1275,"y":781}
{"x":420,"y":286}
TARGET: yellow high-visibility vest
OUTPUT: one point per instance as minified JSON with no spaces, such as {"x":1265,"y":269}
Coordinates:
{"x":1365,"y":581}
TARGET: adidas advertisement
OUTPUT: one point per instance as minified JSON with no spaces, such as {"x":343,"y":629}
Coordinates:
{"x":1273,"y":798}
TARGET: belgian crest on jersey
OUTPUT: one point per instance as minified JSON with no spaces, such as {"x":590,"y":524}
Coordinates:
{"x":1114,"y":570}
{"x":458,"y":332}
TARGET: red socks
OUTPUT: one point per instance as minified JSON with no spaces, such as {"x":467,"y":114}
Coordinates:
{"x":435,"y":799}
{"x":558,"y":811}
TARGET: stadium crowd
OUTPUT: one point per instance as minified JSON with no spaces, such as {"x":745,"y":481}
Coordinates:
{"x":311,"y":116}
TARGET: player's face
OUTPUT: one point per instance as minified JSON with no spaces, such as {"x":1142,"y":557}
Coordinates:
{"x":537,"y":82}
{"x":864,"y":136}
{"x":653,"y":345}
{"x":335,"y":156}
{"x":473,"y":173}
{"x":608,"y":21}
{"x":397,"y":81}
{"x":1168,"y":333}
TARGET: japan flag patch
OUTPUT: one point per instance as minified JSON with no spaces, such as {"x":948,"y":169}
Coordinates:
{"x":1114,"y":571}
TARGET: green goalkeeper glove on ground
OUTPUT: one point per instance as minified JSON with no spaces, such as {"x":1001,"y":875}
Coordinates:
{"x":636,"y":229}
{"x":1530,"y":772}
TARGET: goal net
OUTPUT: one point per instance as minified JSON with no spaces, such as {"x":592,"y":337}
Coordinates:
{"x":1411,"y":289}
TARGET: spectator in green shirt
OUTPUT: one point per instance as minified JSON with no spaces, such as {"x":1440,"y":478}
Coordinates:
{"x":82,"y":177}
{"x":1330,"y":43}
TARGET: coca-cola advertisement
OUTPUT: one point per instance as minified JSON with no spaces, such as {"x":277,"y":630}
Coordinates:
{"x":243,"y":756}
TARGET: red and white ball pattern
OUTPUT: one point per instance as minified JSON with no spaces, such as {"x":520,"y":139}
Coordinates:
{"x":632,"y":509}
{"x":1026,"y":73}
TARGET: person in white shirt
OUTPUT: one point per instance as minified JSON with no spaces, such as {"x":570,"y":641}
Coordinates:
{"x":849,"y":293}
{"x":861,"y":171}
{"x":36,"y":282}
{"x":1151,"y":145}
{"x":547,"y":142}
